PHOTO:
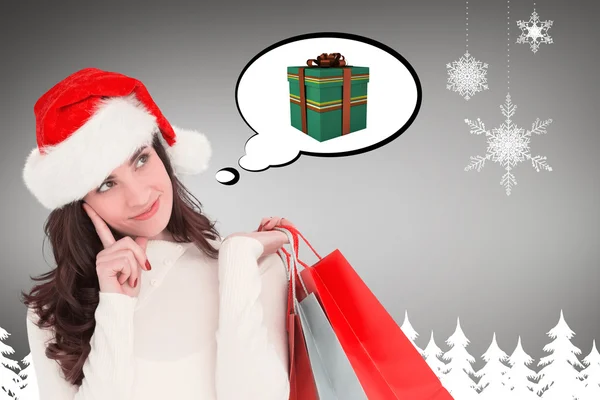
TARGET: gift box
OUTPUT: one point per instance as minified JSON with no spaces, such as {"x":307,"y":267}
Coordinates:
{"x":328,"y":99}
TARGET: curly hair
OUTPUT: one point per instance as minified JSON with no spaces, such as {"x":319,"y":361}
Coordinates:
{"x":68,"y":298}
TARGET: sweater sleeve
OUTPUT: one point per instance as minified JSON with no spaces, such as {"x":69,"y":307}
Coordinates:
{"x":109,"y":367}
{"x":252,"y":355}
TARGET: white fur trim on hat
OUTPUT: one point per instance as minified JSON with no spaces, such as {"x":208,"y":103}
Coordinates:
{"x":80,"y":163}
{"x":191,"y":152}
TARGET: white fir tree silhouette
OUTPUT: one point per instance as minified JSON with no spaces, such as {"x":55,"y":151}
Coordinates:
{"x":431,"y":354}
{"x":590,"y":388}
{"x":559,"y":378}
{"x":29,"y":387}
{"x":410,"y":332}
{"x":519,"y":375}
{"x":458,"y":371}
{"x":9,"y":379}
{"x":493,"y":380}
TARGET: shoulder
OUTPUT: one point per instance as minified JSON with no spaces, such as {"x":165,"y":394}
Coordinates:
{"x":272,"y":264}
{"x":32,"y":314}
{"x":216,"y":243}
{"x":235,"y":241}
{"x":274,"y":286}
{"x":241,"y":244}
{"x":34,"y":330}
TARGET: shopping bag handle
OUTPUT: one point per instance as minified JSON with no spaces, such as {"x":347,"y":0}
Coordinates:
{"x":293,"y":234}
{"x":295,"y":242}
{"x":291,"y":261}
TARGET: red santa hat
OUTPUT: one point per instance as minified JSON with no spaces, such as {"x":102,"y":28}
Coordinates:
{"x":89,"y":124}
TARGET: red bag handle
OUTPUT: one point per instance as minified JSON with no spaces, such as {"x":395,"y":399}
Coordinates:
{"x":295,"y":245}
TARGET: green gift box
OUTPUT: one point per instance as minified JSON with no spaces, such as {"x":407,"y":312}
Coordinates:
{"x":328,"y":102}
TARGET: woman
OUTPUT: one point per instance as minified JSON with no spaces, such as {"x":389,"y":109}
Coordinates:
{"x":147,"y":301}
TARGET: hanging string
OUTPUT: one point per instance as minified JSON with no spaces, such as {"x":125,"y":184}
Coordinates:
{"x":534,"y":6}
{"x":508,"y":44}
{"x":467,"y":23}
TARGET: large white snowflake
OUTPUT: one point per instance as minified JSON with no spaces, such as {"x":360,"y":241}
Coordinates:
{"x":467,"y":76}
{"x":508,"y":145}
{"x":534,"y":32}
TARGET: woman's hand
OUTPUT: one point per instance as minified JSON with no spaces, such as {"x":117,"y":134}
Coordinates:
{"x":120,"y":264}
{"x":268,"y":223}
{"x":272,"y":240}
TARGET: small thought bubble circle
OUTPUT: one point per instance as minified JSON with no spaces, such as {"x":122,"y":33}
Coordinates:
{"x":336,"y":122}
{"x":227,"y":176}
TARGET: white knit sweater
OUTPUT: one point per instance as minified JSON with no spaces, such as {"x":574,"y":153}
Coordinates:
{"x":200,"y":329}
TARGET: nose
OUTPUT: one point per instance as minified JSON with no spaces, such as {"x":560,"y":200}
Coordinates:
{"x":138,"y":195}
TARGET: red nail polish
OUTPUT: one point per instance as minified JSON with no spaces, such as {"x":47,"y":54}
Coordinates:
{"x":148,"y":265}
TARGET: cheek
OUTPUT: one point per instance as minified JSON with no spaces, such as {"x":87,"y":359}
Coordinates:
{"x":162,"y":182}
{"x":167,"y":188}
{"x":110,"y":210}
{"x":161,"y":178}
{"x":166,"y":183}
{"x":114,"y":209}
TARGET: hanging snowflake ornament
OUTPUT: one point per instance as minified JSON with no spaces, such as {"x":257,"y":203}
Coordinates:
{"x":508,"y":145}
{"x":467,"y":76}
{"x":534,"y":32}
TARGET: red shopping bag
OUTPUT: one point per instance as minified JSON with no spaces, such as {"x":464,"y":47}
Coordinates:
{"x":386,"y":363}
{"x":302,"y":382}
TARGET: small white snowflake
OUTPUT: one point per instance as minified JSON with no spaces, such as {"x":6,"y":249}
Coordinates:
{"x":508,"y":145}
{"x":467,"y":76}
{"x":534,"y":32}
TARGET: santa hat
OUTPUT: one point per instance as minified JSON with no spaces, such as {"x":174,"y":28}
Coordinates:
{"x":89,"y":124}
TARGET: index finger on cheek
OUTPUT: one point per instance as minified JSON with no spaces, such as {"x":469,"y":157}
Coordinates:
{"x":101,"y":227}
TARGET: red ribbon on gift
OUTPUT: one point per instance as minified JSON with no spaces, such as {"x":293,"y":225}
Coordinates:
{"x":328,"y":60}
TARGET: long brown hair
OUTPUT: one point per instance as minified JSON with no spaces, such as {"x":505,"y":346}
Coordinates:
{"x":66,"y":302}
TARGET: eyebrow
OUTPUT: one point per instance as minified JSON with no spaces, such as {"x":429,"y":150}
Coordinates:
{"x":131,"y":160}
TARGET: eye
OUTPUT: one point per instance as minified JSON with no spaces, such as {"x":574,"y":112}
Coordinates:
{"x":143,"y":157}
{"x":105,"y":183}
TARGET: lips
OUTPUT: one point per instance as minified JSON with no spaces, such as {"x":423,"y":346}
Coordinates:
{"x":142,"y":214}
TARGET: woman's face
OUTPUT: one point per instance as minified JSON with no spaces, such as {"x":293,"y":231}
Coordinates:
{"x":131,"y":190}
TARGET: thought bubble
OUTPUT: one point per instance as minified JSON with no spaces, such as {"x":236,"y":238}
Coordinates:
{"x":266,"y":100}
{"x":228,"y":176}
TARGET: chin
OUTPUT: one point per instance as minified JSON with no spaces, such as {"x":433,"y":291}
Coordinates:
{"x":154,"y":229}
{"x":148,"y":228}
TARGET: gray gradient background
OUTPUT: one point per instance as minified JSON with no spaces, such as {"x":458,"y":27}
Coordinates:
{"x":425,"y":235}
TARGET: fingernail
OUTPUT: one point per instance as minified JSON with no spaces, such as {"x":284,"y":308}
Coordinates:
{"x":148,"y":267}
{"x":135,"y":282}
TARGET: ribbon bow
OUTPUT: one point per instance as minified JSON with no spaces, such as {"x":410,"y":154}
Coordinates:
{"x":327,"y":60}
